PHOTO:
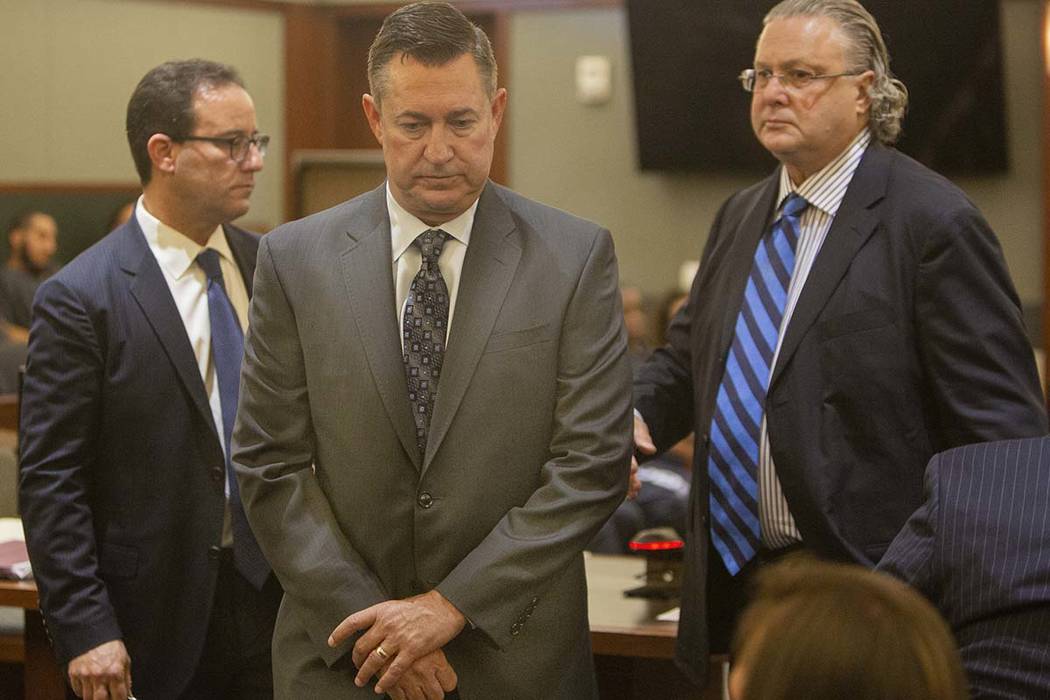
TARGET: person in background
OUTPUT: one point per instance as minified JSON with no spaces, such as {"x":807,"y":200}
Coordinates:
{"x":121,"y":215}
{"x":663,"y":496}
{"x":32,"y":237}
{"x":852,"y":316}
{"x":979,"y":549}
{"x":825,"y":631}
{"x":149,"y":576}
{"x":636,"y":321}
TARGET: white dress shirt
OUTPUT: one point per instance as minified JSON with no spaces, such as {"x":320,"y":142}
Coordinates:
{"x":176,"y":254}
{"x":824,"y":191}
{"x":404,"y":229}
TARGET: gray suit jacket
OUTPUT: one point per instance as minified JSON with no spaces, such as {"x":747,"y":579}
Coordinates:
{"x":527,"y":453}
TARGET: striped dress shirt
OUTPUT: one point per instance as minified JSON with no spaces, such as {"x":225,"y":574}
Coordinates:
{"x":824,"y":191}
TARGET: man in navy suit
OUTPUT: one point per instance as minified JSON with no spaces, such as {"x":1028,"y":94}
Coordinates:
{"x":138,"y":541}
{"x":979,"y":549}
{"x":852,"y":316}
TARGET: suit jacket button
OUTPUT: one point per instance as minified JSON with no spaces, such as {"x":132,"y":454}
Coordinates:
{"x":214,"y":552}
{"x":425,"y":500}
{"x":218,"y":474}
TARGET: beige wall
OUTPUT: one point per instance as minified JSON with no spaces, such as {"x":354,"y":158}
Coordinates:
{"x":583,"y":158}
{"x":69,"y":66}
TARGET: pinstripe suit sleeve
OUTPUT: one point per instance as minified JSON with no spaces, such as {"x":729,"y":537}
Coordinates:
{"x":912,"y":554}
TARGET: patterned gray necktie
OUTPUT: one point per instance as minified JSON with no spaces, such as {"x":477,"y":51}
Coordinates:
{"x":423,"y":332}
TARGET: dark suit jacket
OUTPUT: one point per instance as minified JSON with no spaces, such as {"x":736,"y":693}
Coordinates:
{"x":907,"y":340}
{"x":122,"y":470}
{"x":979,"y":549}
{"x":527,"y":452}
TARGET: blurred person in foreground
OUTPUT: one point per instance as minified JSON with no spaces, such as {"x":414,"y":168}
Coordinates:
{"x":979,"y":549}
{"x":824,"y":631}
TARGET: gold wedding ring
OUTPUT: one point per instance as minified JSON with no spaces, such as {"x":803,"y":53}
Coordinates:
{"x":381,"y":653}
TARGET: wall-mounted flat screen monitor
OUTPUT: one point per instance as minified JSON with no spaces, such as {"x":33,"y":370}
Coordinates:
{"x":691,"y":113}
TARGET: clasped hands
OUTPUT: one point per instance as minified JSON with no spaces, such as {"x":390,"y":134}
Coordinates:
{"x":402,"y":644}
{"x":102,"y":673}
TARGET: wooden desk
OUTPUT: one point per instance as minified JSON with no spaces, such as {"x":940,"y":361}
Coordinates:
{"x":43,"y":679}
{"x":633,"y":651}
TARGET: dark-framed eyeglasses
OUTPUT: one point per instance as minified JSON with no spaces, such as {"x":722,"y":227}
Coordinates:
{"x":237,"y":145}
{"x":793,"y":79}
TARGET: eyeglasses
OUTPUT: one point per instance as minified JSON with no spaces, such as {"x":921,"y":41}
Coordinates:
{"x":794,"y":79}
{"x":238,"y":145}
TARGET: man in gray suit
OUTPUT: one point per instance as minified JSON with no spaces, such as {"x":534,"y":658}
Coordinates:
{"x":425,"y":507}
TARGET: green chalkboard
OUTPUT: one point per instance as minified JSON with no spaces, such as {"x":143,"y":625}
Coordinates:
{"x":82,"y":212}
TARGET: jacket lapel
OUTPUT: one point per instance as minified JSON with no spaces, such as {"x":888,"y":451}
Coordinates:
{"x":488,"y":269}
{"x":152,"y":294}
{"x":853,"y":225}
{"x":742,"y":257}
{"x":367,"y":265}
{"x":245,"y":250}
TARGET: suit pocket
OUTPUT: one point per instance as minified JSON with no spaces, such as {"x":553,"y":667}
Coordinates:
{"x":865,"y":320}
{"x":520,"y":338}
{"x":118,"y":561}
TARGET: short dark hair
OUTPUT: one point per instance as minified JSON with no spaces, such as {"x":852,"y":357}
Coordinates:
{"x":433,"y":33}
{"x":162,"y":103}
{"x":21,"y":219}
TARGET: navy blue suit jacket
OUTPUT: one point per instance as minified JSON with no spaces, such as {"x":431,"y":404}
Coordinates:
{"x":122,"y":481}
{"x":906,"y":340}
{"x":979,"y":549}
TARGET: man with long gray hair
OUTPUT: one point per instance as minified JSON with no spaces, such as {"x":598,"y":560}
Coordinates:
{"x":852,"y":316}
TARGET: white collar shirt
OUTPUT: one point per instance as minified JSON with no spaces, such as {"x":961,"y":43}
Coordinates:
{"x":407,"y":259}
{"x":176,"y":254}
{"x":824,"y":190}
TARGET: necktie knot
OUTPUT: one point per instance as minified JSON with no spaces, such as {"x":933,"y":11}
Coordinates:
{"x":208,"y":259}
{"x":430,"y":243}
{"x":794,"y":205}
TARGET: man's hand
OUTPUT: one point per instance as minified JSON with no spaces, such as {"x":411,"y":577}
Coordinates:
{"x":398,"y":630}
{"x":429,"y":678}
{"x":102,"y":673}
{"x":643,"y":442}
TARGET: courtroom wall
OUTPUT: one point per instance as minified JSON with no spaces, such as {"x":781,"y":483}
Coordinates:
{"x":69,"y":66}
{"x":583,"y":158}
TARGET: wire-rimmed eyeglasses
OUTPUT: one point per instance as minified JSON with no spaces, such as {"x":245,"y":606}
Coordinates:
{"x":793,"y":79}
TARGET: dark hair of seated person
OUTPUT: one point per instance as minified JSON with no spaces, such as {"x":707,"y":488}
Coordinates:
{"x":826,"y":631}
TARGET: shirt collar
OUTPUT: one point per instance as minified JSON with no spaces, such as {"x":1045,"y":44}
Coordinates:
{"x":405,"y":227}
{"x":826,"y":188}
{"x":176,"y":252}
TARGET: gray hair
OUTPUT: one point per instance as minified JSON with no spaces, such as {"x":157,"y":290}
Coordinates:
{"x":433,"y":33}
{"x":866,"y":51}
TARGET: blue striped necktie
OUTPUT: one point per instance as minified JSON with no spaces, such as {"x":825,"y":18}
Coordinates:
{"x":227,"y":347}
{"x":735,"y":430}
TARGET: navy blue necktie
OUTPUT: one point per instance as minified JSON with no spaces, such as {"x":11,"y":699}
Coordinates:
{"x":736,"y":428}
{"x":227,"y":348}
{"x":423,"y":332}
